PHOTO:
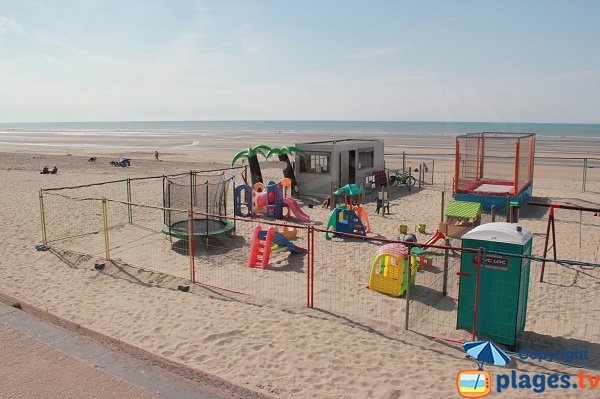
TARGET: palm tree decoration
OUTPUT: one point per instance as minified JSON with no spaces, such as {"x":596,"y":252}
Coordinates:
{"x":251,"y":154}
{"x":282,"y":153}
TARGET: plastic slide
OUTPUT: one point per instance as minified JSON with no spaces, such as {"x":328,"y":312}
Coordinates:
{"x":293,"y":205}
{"x":434,"y":238}
{"x":362,"y":215}
{"x":281,"y":241}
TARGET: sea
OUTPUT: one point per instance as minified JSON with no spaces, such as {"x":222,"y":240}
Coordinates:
{"x":192,"y":135}
{"x":352,"y":128}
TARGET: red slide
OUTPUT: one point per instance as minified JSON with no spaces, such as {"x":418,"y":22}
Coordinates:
{"x":434,"y":238}
{"x":296,"y":210}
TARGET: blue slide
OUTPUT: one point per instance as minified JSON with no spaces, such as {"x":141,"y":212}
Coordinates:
{"x":281,"y":241}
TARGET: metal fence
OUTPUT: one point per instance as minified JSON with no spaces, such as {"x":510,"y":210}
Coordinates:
{"x":331,"y":276}
{"x":583,"y":170}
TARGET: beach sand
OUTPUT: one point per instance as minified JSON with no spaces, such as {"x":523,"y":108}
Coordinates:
{"x":352,"y":345}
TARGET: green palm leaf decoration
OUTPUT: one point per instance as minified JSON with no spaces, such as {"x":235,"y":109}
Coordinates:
{"x":282,"y":154}
{"x":251,"y":155}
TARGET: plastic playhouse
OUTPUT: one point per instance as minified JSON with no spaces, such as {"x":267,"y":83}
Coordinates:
{"x":273,"y":200}
{"x":461,"y":217}
{"x":389,"y":269}
{"x":349,"y":218}
{"x":266,"y":241}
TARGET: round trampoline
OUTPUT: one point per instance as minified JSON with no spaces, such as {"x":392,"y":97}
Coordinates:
{"x":206,"y":195}
{"x":203,"y":228}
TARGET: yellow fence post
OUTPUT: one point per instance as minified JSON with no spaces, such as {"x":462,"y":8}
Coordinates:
{"x":129,"y":201}
{"x":191,"y":246}
{"x":105,"y":217}
{"x":43,"y":219}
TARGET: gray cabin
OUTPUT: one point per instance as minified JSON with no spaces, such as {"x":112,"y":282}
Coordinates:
{"x":340,"y":162}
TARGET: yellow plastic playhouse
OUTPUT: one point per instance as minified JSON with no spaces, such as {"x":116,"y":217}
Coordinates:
{"x":388,"y":271}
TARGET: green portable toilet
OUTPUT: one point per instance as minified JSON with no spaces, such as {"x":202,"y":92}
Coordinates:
{"x":503,"y":282}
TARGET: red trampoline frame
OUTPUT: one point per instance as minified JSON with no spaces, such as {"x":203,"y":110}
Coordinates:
{"x":517,"y":184}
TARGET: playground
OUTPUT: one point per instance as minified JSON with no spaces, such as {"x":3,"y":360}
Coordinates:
{"x":266,"y":331}
{"x":315,"y":268}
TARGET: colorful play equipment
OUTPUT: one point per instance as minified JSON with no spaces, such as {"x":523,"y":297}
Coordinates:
{"x":498,"y":303}
{"x":289,"y":232}
{"x":349,"y":218}
{"x":494,"y":168}
{"x":435,"y":237}
{"x":263,"y":243}
{"x":272,"y":200}
{"x":420,"y":228}
{"x":389,"y":273}
{"x":206,"y":195}
{"x":251,"y":154}
{"x":461,"y":217}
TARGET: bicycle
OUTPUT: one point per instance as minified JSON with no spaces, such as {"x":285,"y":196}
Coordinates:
{"x":399,"y":178}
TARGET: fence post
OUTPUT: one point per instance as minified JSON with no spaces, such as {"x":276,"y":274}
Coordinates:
{"x":409,"y":178}
{"x":43,"y":218}
{"x":403,"y":161}
{"x":106,"y":239}
{"x":476,"y":302}
{"x":446,"y":262}
{"x":332,"y":201}
{"x":234,"y":215}
{"x":493,"y":211}
{"x":191,"y":248}
{"x":308,"y":250}
{"x":408,"y":274}
{"x":192,"y":190}
{"x":432,"y":170}
{"x":584,"y":178}
{"x":129,"y":201}
{"x":442,"y":207}
{"x":312,"y":268}
{"x":420,"y":175}
{"x":207,"y":213}
{"x":310,"y":274}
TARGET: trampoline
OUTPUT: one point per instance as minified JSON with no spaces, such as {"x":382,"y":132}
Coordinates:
{"x":494,"y":168}
{"x":203,"y":228}
{"x":206,"y":196}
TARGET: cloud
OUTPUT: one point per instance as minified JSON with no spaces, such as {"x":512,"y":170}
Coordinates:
{"x":377,"y":52}
{"x":7,"y":25}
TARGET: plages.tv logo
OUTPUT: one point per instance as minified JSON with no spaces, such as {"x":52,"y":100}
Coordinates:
{"x":478,"y":383}
{"x":473,"y":383}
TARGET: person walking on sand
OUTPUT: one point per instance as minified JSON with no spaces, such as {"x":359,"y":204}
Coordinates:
{"x":156,"y":155}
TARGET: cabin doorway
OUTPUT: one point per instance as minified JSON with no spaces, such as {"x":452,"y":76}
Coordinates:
{"x":352,"y":167}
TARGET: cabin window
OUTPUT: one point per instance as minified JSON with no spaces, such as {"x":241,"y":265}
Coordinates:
{"x":365,"y":158}
{"x":314,"y":163}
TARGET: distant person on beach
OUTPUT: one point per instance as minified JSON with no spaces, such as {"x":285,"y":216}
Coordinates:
{"x":54,"y":170}
{"x":45,"y":171}
{"x":156,"y":155}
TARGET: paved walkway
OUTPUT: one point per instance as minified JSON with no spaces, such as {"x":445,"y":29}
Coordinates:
{"x":39,"y":360}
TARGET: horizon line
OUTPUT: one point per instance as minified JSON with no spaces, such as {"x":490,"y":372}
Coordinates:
{"x":301,"y":120}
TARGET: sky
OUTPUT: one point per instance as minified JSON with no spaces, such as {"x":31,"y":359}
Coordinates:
{"x":489,"y":61}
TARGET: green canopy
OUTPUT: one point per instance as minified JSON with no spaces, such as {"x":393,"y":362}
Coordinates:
{"x":463,"y":210}
{"x":350,"y":190}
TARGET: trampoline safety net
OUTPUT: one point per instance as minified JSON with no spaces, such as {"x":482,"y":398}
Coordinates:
{"x":204,"y":193}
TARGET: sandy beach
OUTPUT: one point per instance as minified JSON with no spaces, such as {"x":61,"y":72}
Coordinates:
{"x":257,"y":332}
